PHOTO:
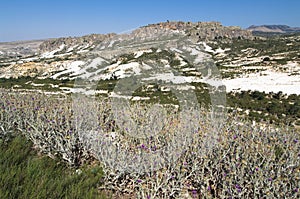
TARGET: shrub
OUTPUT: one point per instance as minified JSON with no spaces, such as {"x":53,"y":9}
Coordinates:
{"x":238,"y":159}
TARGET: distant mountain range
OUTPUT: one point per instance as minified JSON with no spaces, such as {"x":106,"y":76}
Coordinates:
{"x":274,"y":29}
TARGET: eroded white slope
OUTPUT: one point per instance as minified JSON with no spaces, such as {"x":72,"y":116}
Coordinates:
{"x":267,"y":81}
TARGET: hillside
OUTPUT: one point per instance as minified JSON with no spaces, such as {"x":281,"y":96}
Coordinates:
{"x":168,"y":110}
{"x":273,"y":29}
{"x":245,"y":62}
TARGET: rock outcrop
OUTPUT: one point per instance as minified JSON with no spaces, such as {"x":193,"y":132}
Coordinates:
{"x":87,"y":40}
{"x":207,"y":30}
{"x":42,"y":58}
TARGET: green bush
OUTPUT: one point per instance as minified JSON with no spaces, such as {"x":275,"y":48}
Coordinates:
{"x":24,"y":174}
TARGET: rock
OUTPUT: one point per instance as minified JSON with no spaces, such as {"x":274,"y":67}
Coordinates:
{"x":87,"y":40}
{"x":207,"y":30}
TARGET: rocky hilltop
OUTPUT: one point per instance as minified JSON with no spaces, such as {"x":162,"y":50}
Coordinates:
{"x":45,"y":58}
{"x":87,"y":40}
{"x":202,"y":31}
{"x":207,"y":30}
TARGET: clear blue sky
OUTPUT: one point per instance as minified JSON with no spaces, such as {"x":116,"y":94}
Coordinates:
{"x":36,"y":19}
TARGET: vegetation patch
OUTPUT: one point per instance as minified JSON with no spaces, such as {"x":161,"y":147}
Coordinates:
{"x":25,"y":174}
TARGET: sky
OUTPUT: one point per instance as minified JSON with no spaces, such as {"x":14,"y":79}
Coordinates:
{"x":41,"y":19}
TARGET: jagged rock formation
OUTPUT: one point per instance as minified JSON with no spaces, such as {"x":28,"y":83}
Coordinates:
{"x":203,"y":31}
{"x":207,"y":30}
{"x":200,"y":30}
{"x":87,"y":40}
{"x":46,"y":57}
{"x":214,"y":30}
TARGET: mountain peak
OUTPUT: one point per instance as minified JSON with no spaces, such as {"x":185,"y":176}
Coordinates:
{"x":281,"y":29}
